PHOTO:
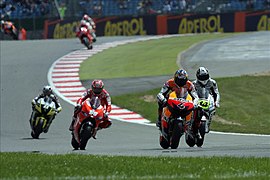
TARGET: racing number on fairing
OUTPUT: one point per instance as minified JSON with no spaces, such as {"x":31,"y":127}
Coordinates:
{"x":204,"y":104}
{"x":181,"y":106}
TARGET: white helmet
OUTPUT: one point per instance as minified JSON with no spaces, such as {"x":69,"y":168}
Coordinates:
{"x":202,"y":75}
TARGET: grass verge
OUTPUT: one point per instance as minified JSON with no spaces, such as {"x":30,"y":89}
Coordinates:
{"x":148,"y":58}
{"x":74,"y":166}
{"x":243,"y":108}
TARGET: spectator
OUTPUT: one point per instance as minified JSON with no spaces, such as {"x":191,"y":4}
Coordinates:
{"x":97,"y":8}
{"x":122,"y":4}
{"x":267,"y":4}
{"x":167,"y":7}
{"x":144,"y":7}
{"x":183,"y":5}
{"x":62,"y":10}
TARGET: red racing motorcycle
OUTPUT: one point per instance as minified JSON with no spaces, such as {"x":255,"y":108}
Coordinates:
{"x":87,"y":123}
{"x":173,"y":122}
{"x":85,"y":37}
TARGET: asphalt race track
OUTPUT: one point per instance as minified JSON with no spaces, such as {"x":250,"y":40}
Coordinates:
{"x":24,"y":68}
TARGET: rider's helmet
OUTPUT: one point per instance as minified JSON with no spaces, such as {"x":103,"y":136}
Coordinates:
{"x":202,"y":75}
{"x":180,"y":77}
{"x":47,"y":90}
{"x":97,"y":86}
{"x":86,"y":17}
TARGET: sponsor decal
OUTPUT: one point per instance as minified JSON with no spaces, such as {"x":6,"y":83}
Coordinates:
{"x":200,"y":25}
{"x":135,"y":26}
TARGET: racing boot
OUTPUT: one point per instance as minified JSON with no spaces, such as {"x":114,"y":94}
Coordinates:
{"x":72,"y":124}
{"x":94,"y":37}
{"x":158,"y":123}
{"x":188,"y":128}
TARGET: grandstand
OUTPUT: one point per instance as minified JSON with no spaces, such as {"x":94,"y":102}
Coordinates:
{"x":15,"y":9}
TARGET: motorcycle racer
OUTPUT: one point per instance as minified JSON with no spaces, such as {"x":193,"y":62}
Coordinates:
{"x":182,"y":87}
{"x":8,"y":27}
{"x":97,"y":90}
{"x":47,"y":91}
{"x":88,"y":22}
{"x":204,"y":83}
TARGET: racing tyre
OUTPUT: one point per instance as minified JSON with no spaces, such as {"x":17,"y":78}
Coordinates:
{"x":190,"y":140}
{"x":74,"y":143}
{"x":200,"y":141}
{"x":38,"y":129}
{"x":177,"y":132}
{"x":85,"y":135}
{"x":164,"y":143}
{"x":86,"y":42}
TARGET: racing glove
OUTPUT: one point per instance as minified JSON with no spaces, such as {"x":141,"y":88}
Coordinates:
{"x":217,"y":104}
{"x":161,"y":99}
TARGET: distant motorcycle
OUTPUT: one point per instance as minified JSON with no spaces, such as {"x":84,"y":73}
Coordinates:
{"x":11,"y":30}
{"x":85,"y":37}
{"x":203,"y":117}
{"x":87,"y":123}
{"x":44,"y":109}
{"x":173,"y":122}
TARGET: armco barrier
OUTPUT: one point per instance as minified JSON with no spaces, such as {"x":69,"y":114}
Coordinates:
{"x":165,"y":24}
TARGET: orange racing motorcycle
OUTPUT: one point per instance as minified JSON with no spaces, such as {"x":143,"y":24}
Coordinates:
{"x":173,"y":122}
{"x":87,"y":123}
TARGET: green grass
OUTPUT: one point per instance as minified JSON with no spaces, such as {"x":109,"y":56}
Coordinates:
{"x":244,"y":100}
{"x":148,"y":58}
{"x":75,"y":166}
{"x":244,"y":108}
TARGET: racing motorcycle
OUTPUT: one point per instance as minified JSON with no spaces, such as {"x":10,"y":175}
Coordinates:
{"x":202,"y":119}
{"x":173,"y":122}
{"x":43,"y":111}
{"x":85,"y":37}
{"x":87,"y":123}
{"x":11,"y":31}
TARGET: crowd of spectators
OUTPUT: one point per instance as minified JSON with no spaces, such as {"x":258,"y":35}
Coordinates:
{"x":39,"y":8}
{"x":92,"y":7}
{"x":24,"y":8}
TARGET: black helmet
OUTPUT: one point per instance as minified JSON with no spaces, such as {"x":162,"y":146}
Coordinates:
{"x":202,"y":75}
{"x":180,"y":77}
{"x":47,"y":90}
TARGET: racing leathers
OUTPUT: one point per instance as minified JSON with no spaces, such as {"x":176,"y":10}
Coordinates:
{"x":203,"y":91}
{"x":90,"y":25}
{"x":57,"y":106}
{"x":180,"y":92}
{"x":105,"y":101}
{"x":211,"y":86}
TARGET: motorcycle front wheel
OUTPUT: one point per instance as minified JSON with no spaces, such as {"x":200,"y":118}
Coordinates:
{"x":74,"y":143}
{"x":85,"y":135}
{"x":200,"y":141}
{"x":177,"y":132}
{"x":38,"y":129}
